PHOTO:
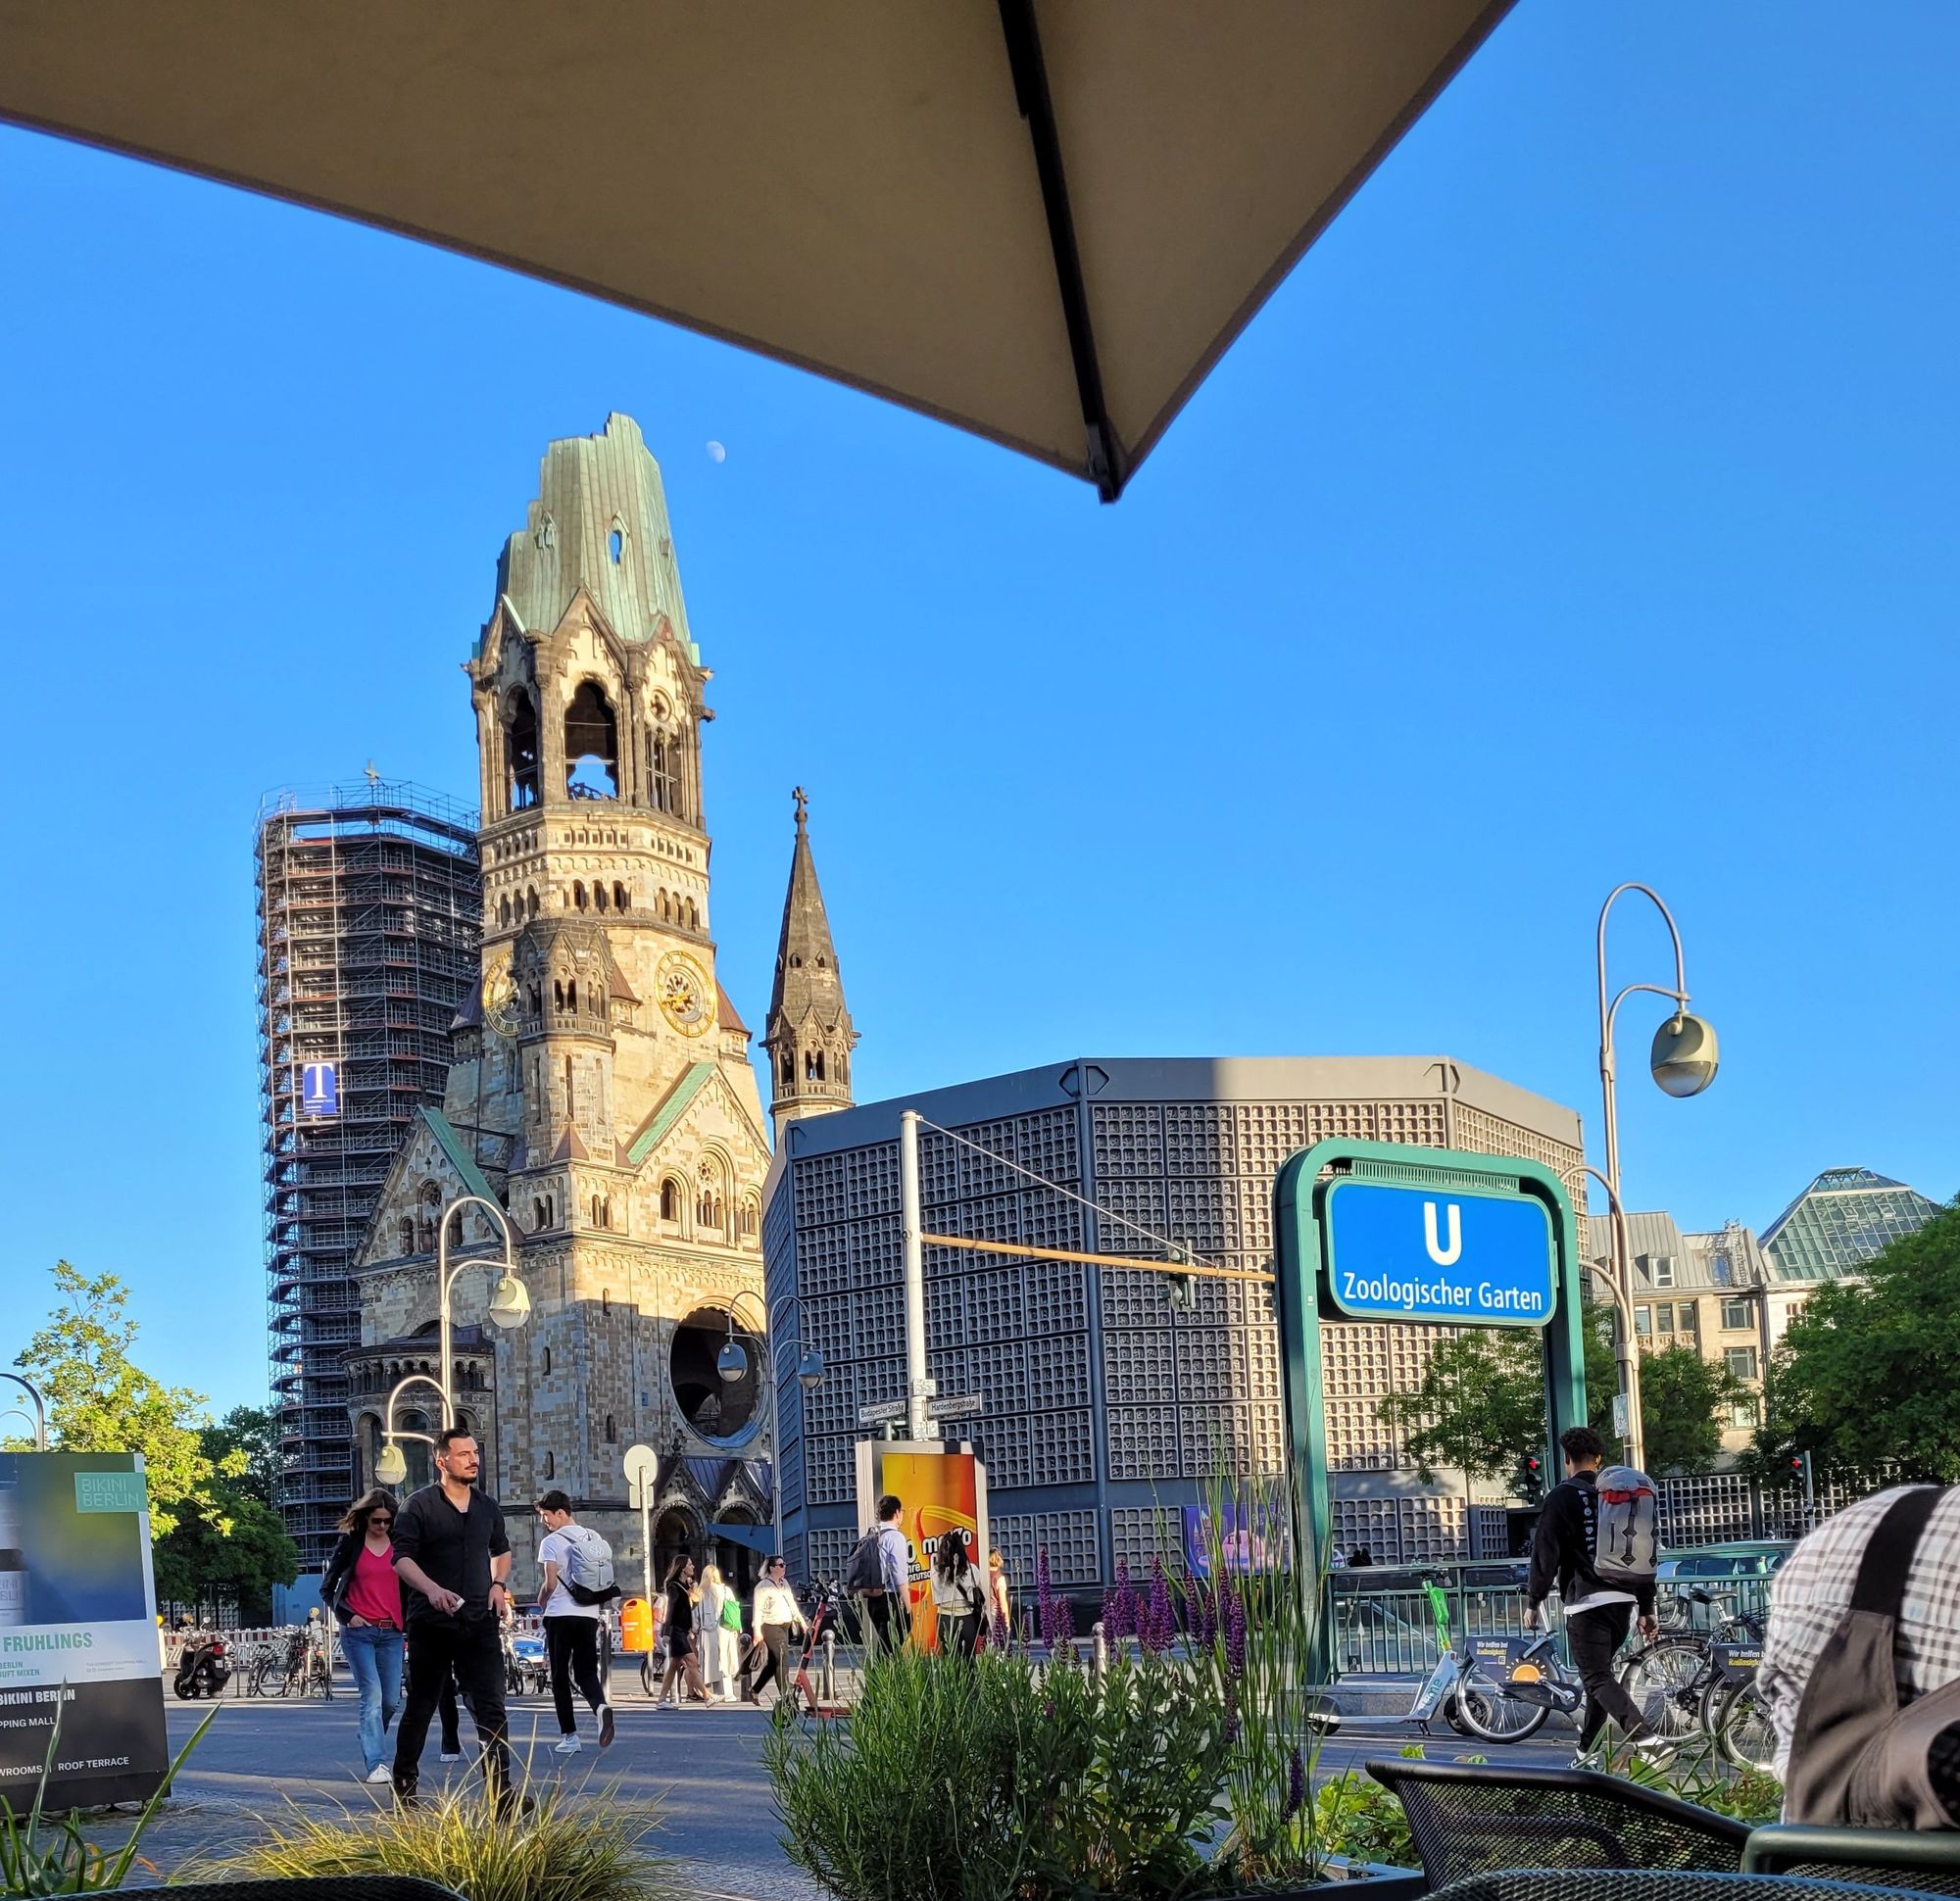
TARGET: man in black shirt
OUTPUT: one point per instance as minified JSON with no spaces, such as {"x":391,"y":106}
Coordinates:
{"x":1596,"y":1616}
{"x":452,"y":1557}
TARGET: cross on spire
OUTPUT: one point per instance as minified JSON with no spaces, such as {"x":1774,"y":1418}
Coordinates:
{"x":801,"y":799}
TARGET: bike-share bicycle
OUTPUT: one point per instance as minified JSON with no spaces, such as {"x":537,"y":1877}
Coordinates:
{"x":1493,"y":1688}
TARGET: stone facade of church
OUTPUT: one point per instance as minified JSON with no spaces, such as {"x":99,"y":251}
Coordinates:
{"x":601,"y":1089}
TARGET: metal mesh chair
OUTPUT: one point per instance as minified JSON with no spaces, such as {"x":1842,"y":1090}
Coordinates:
{"x":1919,"y":1859}
{"x":1467,"y":1819}
{"x":330,"y":1887}
{"x":1653,"y":1884}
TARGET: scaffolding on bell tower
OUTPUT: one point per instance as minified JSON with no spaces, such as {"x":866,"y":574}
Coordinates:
{"x":369,"y":905}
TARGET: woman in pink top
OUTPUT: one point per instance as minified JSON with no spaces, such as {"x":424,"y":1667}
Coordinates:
{"x":366,"y":1598}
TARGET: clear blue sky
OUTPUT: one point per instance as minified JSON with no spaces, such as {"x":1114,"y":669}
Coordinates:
{"x":1582,"y":509}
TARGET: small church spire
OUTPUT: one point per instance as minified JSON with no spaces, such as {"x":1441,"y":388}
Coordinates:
{"x":808,"y":1033}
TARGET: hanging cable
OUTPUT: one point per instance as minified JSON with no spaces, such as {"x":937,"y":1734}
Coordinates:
{"x":1181,"y":1257}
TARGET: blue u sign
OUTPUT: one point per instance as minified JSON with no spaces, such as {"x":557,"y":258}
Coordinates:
{"x":319,"y":1089}
{"x":1396,"y":1252}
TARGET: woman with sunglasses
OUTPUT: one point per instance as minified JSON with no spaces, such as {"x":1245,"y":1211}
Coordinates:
{"x":365,"y":1597}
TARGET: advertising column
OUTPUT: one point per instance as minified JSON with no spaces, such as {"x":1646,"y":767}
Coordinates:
{"x":77,"y":1631}
{"x":942,"y":1494}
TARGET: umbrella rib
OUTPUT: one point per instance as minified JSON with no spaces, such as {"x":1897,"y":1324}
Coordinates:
{"x":1037,"y":106}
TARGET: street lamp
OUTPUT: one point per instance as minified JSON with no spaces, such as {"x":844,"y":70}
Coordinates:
{"x":809,"y":1376}
{"x":390,"y":1466}
{"x":33,"y":1392}
{"x":510,"y":1302}
{"x":1683,"y":1061}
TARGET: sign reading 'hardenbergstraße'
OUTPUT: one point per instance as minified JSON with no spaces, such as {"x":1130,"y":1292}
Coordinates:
{"x":1422,"y":1254}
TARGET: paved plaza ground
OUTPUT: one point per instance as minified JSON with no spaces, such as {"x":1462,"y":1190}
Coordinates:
{"x":705,"y":1765}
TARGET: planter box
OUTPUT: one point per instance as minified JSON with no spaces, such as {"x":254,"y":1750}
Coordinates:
{"x":1365,"y":1880}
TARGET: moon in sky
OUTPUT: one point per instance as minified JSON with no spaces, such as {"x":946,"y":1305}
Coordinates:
{"x":716,"y":453}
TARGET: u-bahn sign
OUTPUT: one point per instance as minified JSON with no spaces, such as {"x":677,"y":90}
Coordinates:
{"x":1381,"y":1231}
{"x":1399,"y":1250}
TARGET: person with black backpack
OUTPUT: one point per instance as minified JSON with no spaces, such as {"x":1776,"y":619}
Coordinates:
{"x":1597,"y":1545}
{"x":577,"y":1588}
{"x":878,"y":1574}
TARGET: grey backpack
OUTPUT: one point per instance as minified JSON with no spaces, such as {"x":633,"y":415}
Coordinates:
{"x":1626,"y":1536}
{"x":588,"y":1567}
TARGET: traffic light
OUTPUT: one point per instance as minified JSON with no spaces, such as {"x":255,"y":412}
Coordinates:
{"x":1800,"y":1472}
{"x":1530,"y":1480}
{"x":1182,"y":1288}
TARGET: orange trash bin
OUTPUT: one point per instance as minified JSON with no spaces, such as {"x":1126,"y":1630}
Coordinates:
{"x":636,"y":1625}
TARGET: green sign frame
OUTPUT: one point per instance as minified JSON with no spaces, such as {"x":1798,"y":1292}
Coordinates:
{"x":1302,"y":1298}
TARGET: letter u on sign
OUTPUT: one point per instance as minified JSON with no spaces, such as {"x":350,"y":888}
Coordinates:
{"x":1443,"y":1256}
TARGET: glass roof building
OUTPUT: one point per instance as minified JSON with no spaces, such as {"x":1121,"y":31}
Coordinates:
{"x":1843,"y":1219}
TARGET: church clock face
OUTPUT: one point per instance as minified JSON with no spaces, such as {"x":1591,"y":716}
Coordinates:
{"x":686,"y":997}
{"x":500,"y":997}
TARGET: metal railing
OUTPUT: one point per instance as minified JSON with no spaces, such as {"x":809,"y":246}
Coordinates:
{"x":1379,"y":1621}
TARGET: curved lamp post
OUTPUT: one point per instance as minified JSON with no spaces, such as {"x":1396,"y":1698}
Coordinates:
{"x":1683,"y":1061}
{"x":33,"y":1392}
{"x":510,"y":1302}
{"x":809,"y":1376}
{"x":390,"y":1466}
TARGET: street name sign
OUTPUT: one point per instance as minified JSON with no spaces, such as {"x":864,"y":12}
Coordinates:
{"x":962,"y":1405}
{"x":1408,"y":1251}
{"x":882,"y":1412}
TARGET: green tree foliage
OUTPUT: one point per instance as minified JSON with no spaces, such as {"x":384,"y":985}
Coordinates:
{"x":252,"y":1431}
{"x":1865,"y":1378}
{"x":236,"y":1549}
{"x":1480,"y":1405}
{"x":99,"y":1400}
{"x":1684,"y":1400}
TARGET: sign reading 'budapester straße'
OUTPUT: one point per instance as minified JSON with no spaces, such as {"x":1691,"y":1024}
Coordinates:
{"x":1404,"y":1252}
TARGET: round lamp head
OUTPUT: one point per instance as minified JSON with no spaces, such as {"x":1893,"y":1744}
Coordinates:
{"x":390,"y":1469}
{"x":809,"y":1370}
{"x":733,"y":1359}
{"x":1684,"y":1055}
{"x":510,"y":1302}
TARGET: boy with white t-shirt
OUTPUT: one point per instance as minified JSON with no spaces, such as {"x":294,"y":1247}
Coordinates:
{"x":571,"y":1629}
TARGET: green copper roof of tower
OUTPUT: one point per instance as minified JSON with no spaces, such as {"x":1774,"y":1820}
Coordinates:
{"x":601,"y":521}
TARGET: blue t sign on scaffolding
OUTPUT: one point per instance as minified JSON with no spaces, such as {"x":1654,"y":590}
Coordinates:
{"x":1397,"y":1251}
{"x":319,"y":1089}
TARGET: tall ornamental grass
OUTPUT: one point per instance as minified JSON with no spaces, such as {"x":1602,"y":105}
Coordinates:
{"x":1181,"y":1771}
{"x":564,"y":1848}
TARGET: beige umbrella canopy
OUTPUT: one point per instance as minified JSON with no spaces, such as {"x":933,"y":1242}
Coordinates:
{"x":1040,"y":220}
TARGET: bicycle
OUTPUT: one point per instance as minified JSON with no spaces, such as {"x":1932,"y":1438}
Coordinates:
{"x":1459,"y":1690}
{"x":1691,"y":1683}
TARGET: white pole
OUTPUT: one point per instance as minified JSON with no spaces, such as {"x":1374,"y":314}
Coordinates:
{"x":647,"y":1537}
{"x":918,"y":1423}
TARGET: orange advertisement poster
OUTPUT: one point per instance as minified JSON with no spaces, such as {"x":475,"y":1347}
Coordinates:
{"x":940,"y":1492}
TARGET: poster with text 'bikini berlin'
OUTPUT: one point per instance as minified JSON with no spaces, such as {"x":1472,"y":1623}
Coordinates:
{"x":77,"y":1631}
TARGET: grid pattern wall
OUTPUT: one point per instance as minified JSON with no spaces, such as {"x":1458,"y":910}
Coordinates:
{"x":1074,"y":1550}
{"x":370,"y":918}
{"x":1015,"y":1331}
{"x":1706,"y":1510}
{"x":1402,"y":1531}
{"x":1184,"y":1388}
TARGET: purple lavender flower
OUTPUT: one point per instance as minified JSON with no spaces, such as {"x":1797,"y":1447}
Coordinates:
{"x":1231,"y":1713}
{"x":1296,"y":1786}
{"x":1057,"y":1615}
{"x":1119,"y":1606}
{"x":1205,"y":1606}
{"x":1235,"y":1629}
{"x":1000,"y":1630}
{"x":1158,"y":1614}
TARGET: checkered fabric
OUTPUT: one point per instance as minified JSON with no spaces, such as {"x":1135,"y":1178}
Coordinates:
{"x":1813,"y":1590}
